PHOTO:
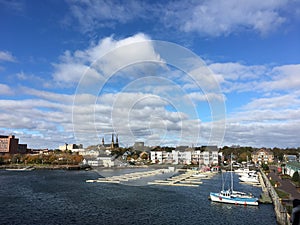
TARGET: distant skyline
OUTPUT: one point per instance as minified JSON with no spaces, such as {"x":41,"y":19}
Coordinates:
{"x":67,"y":74}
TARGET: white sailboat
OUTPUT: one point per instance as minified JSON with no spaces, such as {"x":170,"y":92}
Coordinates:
{"x":233,"y":197}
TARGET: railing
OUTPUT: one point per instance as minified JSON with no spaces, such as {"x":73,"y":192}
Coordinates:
{"x":280,"y":211}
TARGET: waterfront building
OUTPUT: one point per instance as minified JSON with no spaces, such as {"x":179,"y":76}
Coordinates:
{"x":71,"y":147}
{"x":182,"y":157}
{"x":290,"y":158}
{"x":10,"y":144}
{"x":102,"y":160}
{"x":161,"y":157}
{"x":291,"y":168}
{"x":91,"y":153}
{"x":262,"y":156}
{"x":208,"y":155}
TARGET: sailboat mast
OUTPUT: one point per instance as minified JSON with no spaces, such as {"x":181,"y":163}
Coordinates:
{"x":231,"y":172}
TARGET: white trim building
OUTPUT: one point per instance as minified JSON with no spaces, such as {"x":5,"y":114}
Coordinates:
{"x":208,"y":156}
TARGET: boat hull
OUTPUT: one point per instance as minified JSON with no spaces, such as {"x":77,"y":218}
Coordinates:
{"x":21,"y":169}
{"x":217,"y":197}
{"x":249,"y":179}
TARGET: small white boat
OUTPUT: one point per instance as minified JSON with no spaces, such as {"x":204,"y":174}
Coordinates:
{"x":21,"y":169}
{"x":250,"y":178}
{"x":200,"y":175}
{"x":242,"y":171}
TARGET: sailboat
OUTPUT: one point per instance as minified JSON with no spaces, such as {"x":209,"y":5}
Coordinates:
{"x":233,"y":197}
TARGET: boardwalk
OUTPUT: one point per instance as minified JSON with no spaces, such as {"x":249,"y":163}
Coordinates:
{"x":285,"y":184}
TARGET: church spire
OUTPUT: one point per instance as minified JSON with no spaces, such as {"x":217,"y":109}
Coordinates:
{"x":112,"y":146}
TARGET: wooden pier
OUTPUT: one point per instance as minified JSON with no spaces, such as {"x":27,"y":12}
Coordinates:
{"x":264,"y":197}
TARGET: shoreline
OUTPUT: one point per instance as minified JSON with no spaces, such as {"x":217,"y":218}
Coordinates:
{"x":44,"y":167}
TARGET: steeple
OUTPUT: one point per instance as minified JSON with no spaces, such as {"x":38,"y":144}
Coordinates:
{"x":117,"y":141}
{"x":112,"y":146}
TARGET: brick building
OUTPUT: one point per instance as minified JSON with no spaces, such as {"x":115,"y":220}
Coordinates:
{"x":10,"y":144}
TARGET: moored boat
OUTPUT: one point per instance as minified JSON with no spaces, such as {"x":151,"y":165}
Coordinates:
{"x":29,"y":168}
{"x":249,"y":177}
{"x":233,"y":197}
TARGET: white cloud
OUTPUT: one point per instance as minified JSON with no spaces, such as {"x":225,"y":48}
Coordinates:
{"x":47,"y":95}
{"x":94,"y":13}
{"x":196,"y":96}
{"x":71,"y":73}
{"x":235,"y":76}
{"x":283,"y":78}
{"x":278,"y":102}
{"x":34,"y":80}
{"x":232,"y":71}
{"x":5,"y":90}
{"x":270,"y":116}
{"x":7,"y":56}
{"x":265,"y":121}
{"x":262,"y":134}
{"x":216,"y":18}
{"x":208,"y":17}
{"x":91,"y":67}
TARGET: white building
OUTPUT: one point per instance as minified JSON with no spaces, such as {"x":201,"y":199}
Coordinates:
{"x":182,"y":157}
{"x":92,"y":153}
{"x":71,"y":147}
{"x":161,"y":157}
{"x":102,"y":160}
{"x":208,"y":156}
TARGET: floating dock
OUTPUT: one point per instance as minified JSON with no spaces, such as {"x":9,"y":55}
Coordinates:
{"x":190,"y":179}
{"x":130,"y":176}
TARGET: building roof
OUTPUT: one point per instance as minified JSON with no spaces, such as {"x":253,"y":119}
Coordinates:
{"x":264,"y":150}
{"x":294,"y":165}
{"x":211,"y":148}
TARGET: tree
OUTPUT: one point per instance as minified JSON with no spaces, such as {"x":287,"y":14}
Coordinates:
{"x":296,"y":177}
{"x":265,"y":167}
{"x":242,"y":157}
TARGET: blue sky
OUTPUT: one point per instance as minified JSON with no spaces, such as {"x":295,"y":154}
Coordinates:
{"x":163,"y":72}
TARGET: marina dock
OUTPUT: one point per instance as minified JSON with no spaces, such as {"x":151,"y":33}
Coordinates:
{"x":131,"y":176}
{"x":190,"y":179}
{"x":264,"y":197}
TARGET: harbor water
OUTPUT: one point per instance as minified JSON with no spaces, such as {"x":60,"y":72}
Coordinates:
{"x":63,"y":197}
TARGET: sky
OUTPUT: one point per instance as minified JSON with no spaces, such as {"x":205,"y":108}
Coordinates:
{"x":167,"y":73}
